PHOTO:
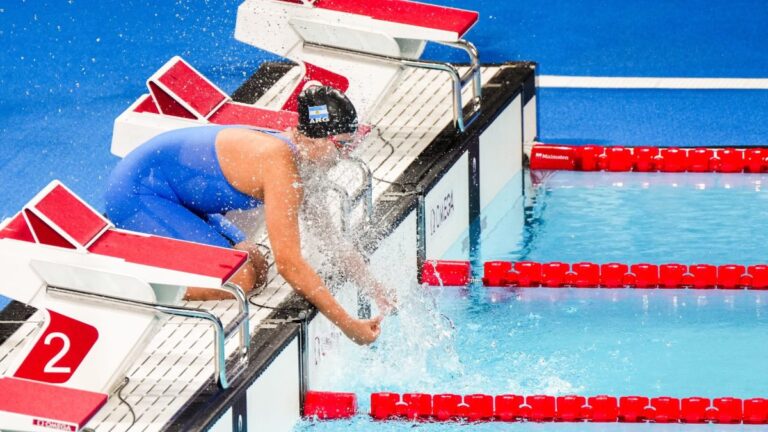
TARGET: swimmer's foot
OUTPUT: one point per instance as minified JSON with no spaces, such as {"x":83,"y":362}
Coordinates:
{"x":205,"y":294}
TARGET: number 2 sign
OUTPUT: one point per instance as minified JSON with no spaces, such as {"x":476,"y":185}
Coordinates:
{"x":59,"y":351}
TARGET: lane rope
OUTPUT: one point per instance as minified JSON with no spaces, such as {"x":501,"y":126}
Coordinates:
{"x":648,"y":159}
{"x":593,"y":275}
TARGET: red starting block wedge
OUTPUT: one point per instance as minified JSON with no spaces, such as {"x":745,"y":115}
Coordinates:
{"x":33,"y":405}
{"x":507,"y":407}
{"x":632,"y":409}
{"x":570,"y":408}
{"x":694,"y":409}
{"x":445,"y":273}
{"x":330,"y":405}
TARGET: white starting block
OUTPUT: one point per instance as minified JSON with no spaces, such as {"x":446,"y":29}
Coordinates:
{"x":103,"y":292}
{"x":370,"y":41}
{"x":35,"y":406}
{"x":359,"y":47}
{"x":180,"y":96}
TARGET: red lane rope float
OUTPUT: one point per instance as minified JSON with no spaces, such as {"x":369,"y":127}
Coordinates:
{"x":648,"y":159}
{"x":593,"y":275}
{"x":446,"y":273}
{"x":329,"y":405}
{"x":571,"y":408}
{"x":618,"y":275}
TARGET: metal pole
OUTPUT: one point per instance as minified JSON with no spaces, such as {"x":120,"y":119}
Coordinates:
{"x":219,"y":362}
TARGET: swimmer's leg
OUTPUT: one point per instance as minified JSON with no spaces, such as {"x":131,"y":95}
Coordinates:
{"x":253,"y":274}
{"x":155,"y":215}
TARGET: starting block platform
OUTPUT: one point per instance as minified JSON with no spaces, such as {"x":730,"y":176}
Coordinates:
{"x":100,"y":310}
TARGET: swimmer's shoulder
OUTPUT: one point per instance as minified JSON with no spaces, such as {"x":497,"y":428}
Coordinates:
{"x":239,"y":146}
{"x":251,"y":141}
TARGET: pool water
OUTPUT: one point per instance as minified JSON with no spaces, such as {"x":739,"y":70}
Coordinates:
{"x":659,"y":218}
{"x":619,"y":342}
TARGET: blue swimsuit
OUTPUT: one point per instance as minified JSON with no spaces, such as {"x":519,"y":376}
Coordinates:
{"x":173,"y":186}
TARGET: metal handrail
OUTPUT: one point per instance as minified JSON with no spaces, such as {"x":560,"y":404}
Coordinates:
{"x":243,"y":317}
{"x":459,"y":80}
{"x":363,"y":193}
{"x":221,"y":334}
{"x":366,"y":190}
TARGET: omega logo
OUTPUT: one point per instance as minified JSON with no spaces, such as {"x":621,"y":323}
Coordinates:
{"x":440,"y":213}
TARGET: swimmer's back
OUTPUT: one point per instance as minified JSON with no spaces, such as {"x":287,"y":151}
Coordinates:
{"x":180,"y":166}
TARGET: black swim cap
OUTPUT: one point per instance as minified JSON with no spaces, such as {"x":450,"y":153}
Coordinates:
{"x":325,"y":111}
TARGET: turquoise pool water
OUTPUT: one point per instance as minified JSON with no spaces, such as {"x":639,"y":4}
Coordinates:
{"x":567,"y":341}
{"x":637,"y":217}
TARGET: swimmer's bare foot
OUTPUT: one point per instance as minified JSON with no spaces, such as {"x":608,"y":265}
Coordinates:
{"x":206,"y":294}
{"x":253,"y":274}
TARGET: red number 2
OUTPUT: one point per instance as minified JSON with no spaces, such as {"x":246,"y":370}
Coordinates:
{"x":58,"y":351}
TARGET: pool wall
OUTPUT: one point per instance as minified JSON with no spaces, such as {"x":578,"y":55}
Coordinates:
{"x":454,"y":183}
{"x":483,"y":168}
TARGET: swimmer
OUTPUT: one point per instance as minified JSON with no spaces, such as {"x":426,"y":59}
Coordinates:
{"x":180,"y":183}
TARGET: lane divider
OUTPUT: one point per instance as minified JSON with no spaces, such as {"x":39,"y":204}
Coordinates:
{"x":593,"y":275}
{"x":648,"y":159}
{"x":571,"y":408}
{"x":325,"y":405}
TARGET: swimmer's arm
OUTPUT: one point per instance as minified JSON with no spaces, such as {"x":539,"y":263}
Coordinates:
{"x":349,"y":259}
{"x":282,"y":198}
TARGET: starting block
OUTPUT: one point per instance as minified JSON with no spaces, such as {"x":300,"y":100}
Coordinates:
{"x":103,"y":293}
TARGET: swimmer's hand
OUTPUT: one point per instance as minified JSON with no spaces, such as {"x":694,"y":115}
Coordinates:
{"x":387,"y":304}
{"x":364,"y":332}
{"x":385,"y":298}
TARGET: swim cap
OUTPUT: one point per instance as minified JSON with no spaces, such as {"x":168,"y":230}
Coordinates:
{"x":325,"y":111}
